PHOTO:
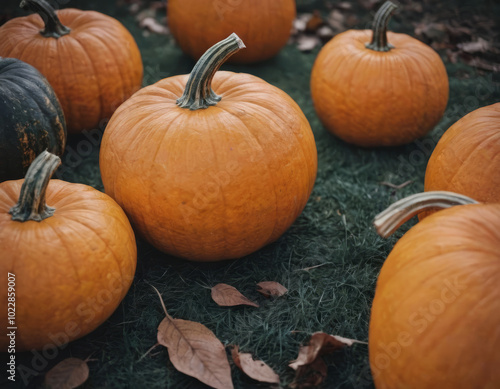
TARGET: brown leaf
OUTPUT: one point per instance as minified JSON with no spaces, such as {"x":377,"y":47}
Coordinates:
{"x":336,"y":20}
{"x":307,"y":43}
{"x":343,"y":5}
{"x":325,"y":33}
{"x":256,"y":370}
{"x":194,"y":350}
{"x":315,"y":22}
{"x":310,"y":376}
{"x":394,"y":186}
{"x":320,"y":344}
{"x":228,"y":296}
{"x":154,"y":26}
{"x":271,"y":288}
{"x":479,"y":46}
{"x":67,"y":374}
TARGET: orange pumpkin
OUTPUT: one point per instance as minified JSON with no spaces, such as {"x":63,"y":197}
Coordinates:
{"x":90,"y":59}
{"x":264,"y":25}
{"x":467,"y":157}
{"x":211,"y":176}
{"x":435,"y":319}
{"x":388,"y":92}
{"x":65,"y":267}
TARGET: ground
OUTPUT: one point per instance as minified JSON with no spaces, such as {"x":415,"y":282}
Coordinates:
{"x":333,"y":235}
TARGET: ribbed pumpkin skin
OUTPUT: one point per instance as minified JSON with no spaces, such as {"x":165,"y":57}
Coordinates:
{"x":31,"y":119}
{"x":72,"y":269}
{"x":372,"y":98}
{"x":435,"y":320}
{"x":211,"y":184}
{"x":466,"y":159}
{"x":93,"y":69}
{"x":264,"y":25}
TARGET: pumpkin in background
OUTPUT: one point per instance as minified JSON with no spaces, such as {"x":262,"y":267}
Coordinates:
{"x":264,"y":25}
{"x":388,"y":92}
{"x":72,"y":252}
{"x":90,"y":59}
{"x":31,"y":119}
{"x":435,"y":319}
{"x":208,"y":176}
{"x":466,"y":159}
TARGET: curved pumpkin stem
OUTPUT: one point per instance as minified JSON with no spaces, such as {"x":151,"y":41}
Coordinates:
{"x":198,"y":93}
{"x":379,"y":39}
{"x":388,"y":221}
{"x":53,"y":26}
{"x":31,"y":204}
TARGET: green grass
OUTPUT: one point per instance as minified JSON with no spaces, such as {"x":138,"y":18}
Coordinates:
{"x":333,"y":233}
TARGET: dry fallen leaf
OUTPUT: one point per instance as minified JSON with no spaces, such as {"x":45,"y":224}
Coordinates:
{"x":194,"y":350}
{"x":315,"y":22}
{"x":257,"y":370}
{"x":320,"y":344}
{"x":271,"y":288}
{"x":307,"y":42}
{"x":154,"y":26}
{"x":479,"y":46}
{"x":309,"y":366}
{"x":325,"y":33}
{"x":228,"y":296}
{"x":310,"y":376}
{"x":67,"y":374}
{"x":336,"y":20}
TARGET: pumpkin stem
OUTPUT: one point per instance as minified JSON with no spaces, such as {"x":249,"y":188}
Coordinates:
{"x":198,"y":93}
{"x":388,"y":221}
{"x":53,"y":26}
{"x":380,"y":22}
{"x":31,"y":204}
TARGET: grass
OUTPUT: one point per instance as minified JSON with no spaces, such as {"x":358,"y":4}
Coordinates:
{"x":333,"y":235}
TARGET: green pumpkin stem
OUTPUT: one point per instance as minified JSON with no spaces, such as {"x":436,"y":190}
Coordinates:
{"x":31,"y":204}
{"x":380,"y":22}
{"x":53,"y":26}
{"x":388,"y":221}
{"x":198,"y":93}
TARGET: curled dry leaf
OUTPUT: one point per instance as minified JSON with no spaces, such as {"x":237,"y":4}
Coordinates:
{"x":256,"y":370}
{"x":479,"y":46}
{"x":271,"y":288}
{"x":307,"y":42}
{"x":228,"y":296}
{"x":336,"y":20}
{"x":154,"y":26}
{"x":67,"y":374}
{"x":194,"y":350}
{"x":320,"y":344}
{"x":310,"y":376}
{"x":325,"y":33}
{"x":309,"y":366}
{"x":315,"y":22}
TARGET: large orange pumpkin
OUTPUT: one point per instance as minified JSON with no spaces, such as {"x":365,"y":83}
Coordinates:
{"x":90,"y":59}
{"x":384,"y":93}
{"x":208,"y":176}
{"x":435,"y":319}
{"x":467,"y":157}
{"x":68,"y":258}
{"x":264,"y":25}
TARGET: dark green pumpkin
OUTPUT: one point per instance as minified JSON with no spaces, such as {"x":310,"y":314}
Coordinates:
{"x":31,"y":119}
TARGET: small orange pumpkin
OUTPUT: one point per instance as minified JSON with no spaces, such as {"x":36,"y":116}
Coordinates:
{"x":212,"y":176}
{"x":466,"y":159}
{"x":435,"y":319}
{"x":65,"y":267}
{"x":264,"y":25}
{"x":90,"y":59}
{"x":388,"y":92}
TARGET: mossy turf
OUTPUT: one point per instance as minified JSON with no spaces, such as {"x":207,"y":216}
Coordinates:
{"x":329,"y":259}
